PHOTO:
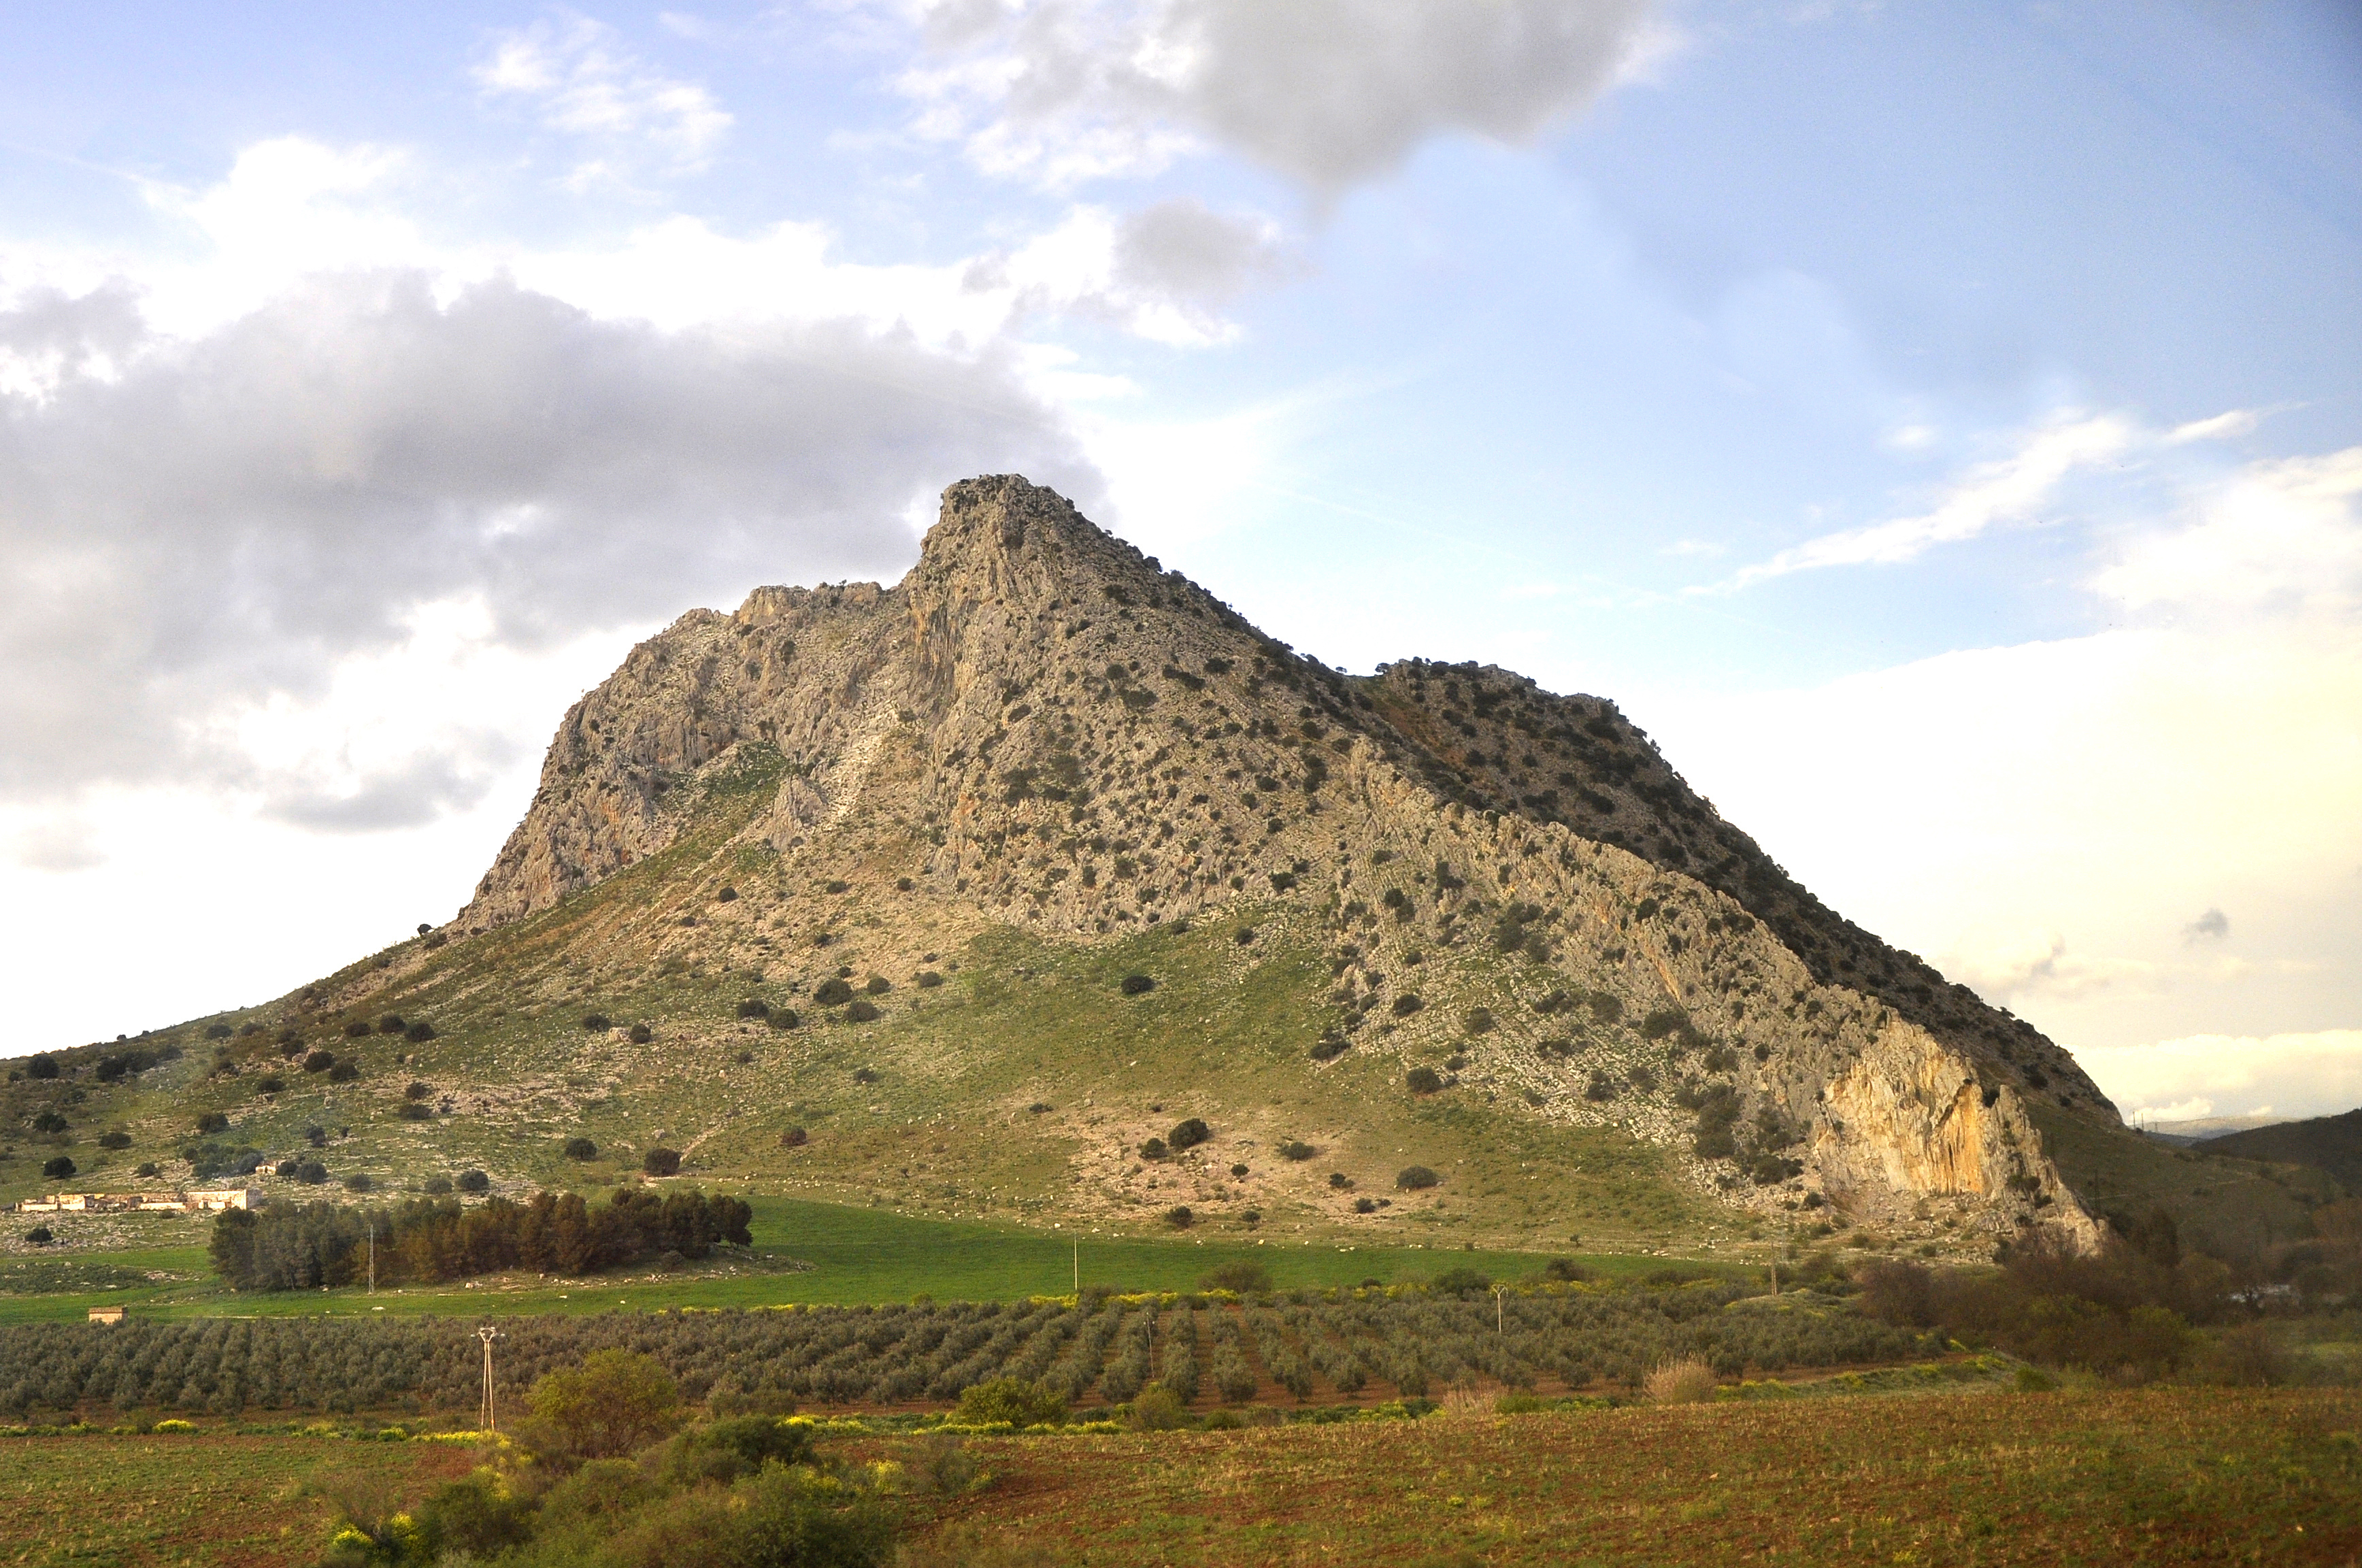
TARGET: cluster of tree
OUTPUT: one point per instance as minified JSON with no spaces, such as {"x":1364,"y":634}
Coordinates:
{"x":303,"y":1246}
{"x":2128,"y":1311}
{"x":608,"y":1471}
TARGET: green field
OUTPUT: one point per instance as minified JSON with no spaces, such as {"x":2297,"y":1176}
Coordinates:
{"x":856,"y":1256}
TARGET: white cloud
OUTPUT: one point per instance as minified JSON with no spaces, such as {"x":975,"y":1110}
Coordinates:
{"x":2043,"y":818}
{"x":2010,"y":490}
{"x":575,"y":71}
{"x":1327,"y":92}
{"x":2004,"y":967}
{"x":2277,"y":533}
{"x":2295,"y":1074}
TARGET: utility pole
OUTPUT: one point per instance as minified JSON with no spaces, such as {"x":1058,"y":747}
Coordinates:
{"x":1501,"y":1330}
{"x":487,"y":1419}
{"x":372,"y":1244}
{"x":1775,"y":1276}
{"x":1079,"y":1267}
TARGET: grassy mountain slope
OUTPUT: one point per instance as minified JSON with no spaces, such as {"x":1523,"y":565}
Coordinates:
{"x":2330,"y":1143}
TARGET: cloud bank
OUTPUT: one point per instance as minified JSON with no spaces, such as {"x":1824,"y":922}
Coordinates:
{"x":2295,"y":1075}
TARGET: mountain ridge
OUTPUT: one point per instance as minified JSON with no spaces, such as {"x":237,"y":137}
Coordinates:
{"x":962,"y":895}
{"x":1003,"y":688}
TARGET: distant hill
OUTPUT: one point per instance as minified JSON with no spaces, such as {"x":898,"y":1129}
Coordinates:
{"x":2332,"y":1143}
{"x":2197,"y":1129}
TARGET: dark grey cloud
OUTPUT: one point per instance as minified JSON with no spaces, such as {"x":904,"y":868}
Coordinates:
{"x":192,"y":527}
{"x":1327,"y":92}
{"x":2212,"y":926}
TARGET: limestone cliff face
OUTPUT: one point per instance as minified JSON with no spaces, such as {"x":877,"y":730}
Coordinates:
{"x":1041,"y":727}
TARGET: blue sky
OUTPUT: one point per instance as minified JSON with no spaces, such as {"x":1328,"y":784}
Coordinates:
{"x":1938,"y":425}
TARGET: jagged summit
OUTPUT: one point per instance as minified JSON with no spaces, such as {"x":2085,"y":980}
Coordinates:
{"x":1040,"y":730}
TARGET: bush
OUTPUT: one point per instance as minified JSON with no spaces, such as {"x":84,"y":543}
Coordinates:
{"x":39,"y":1236}
{"x":617,"y":1402}
{"x":785,"y":1017}
{"x":218,"y":1032}
{"x":862,"y":1010}
{"x":2249,"y":1357}
{"x":1424,"y":1081}
{"x":435,"y":1186}
{"x":1155,"y":1409}
{"x":639,"y":1034}
{"x":1238,"y":1171}
{"x":358,"y":1028}
{"x":471,"y":1517}
{"x":1179,"y":1217}
{"x":1407,"y":1003}
{"x":1480,"y":1020}
{"x":42,"y":1066}
{"x":475,"y":1181}
{"x":419,"y":1033}
{"x":1416,"y":1179}
{"x":1339,"y":1181}
{"x":392,"y":1023}
{"x":270,"y":1083}
{"x":1188,"y":1134}
{"x":1248,"y":1276}
{"x":57,"y":1165}
{"x":579,"y":1148}
{"x":412,"y":1111}
{"x":146,"y":1168}
{"x":928,"y":980}
{"x":754,"y":1007}
{"x":1017,"y":1401}
{"x":319,"y":1061}
{"x":1365,"y":1206}
{"x":1297,"y":1151}
{"x":357,"y":1182}
{"x":794,"y":1138}
{"x":1688,"y":1381}
{"x":344,"y":1073}
{"x":661,"y":1162}
{"x":1460,"y":1282}
{"x":596,"y":1021}
{"x":1662,"y":1021}
{"x":49,"y":1121}
{"x":741,"y":1445}
{"x":833,"y":992}
{"x":1328,"y":1047}
{"x":1565,"y":1270}
{"x":1153,"y":1149}
{"x":1136,"y":985}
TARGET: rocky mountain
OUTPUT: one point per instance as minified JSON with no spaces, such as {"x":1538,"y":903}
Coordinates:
{"x":960,"y":895}
{"x":1041,"y":728}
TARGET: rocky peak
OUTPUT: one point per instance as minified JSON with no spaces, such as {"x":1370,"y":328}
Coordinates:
{"x":1040,"y":728}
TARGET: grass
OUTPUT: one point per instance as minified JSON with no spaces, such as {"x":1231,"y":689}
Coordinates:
{"x":858,"y":1256}
{"x":237,"y":1500}
{"x":945,"y":1124}
{"x":2162,"y":1476}
{"x":2154,"y":1476}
